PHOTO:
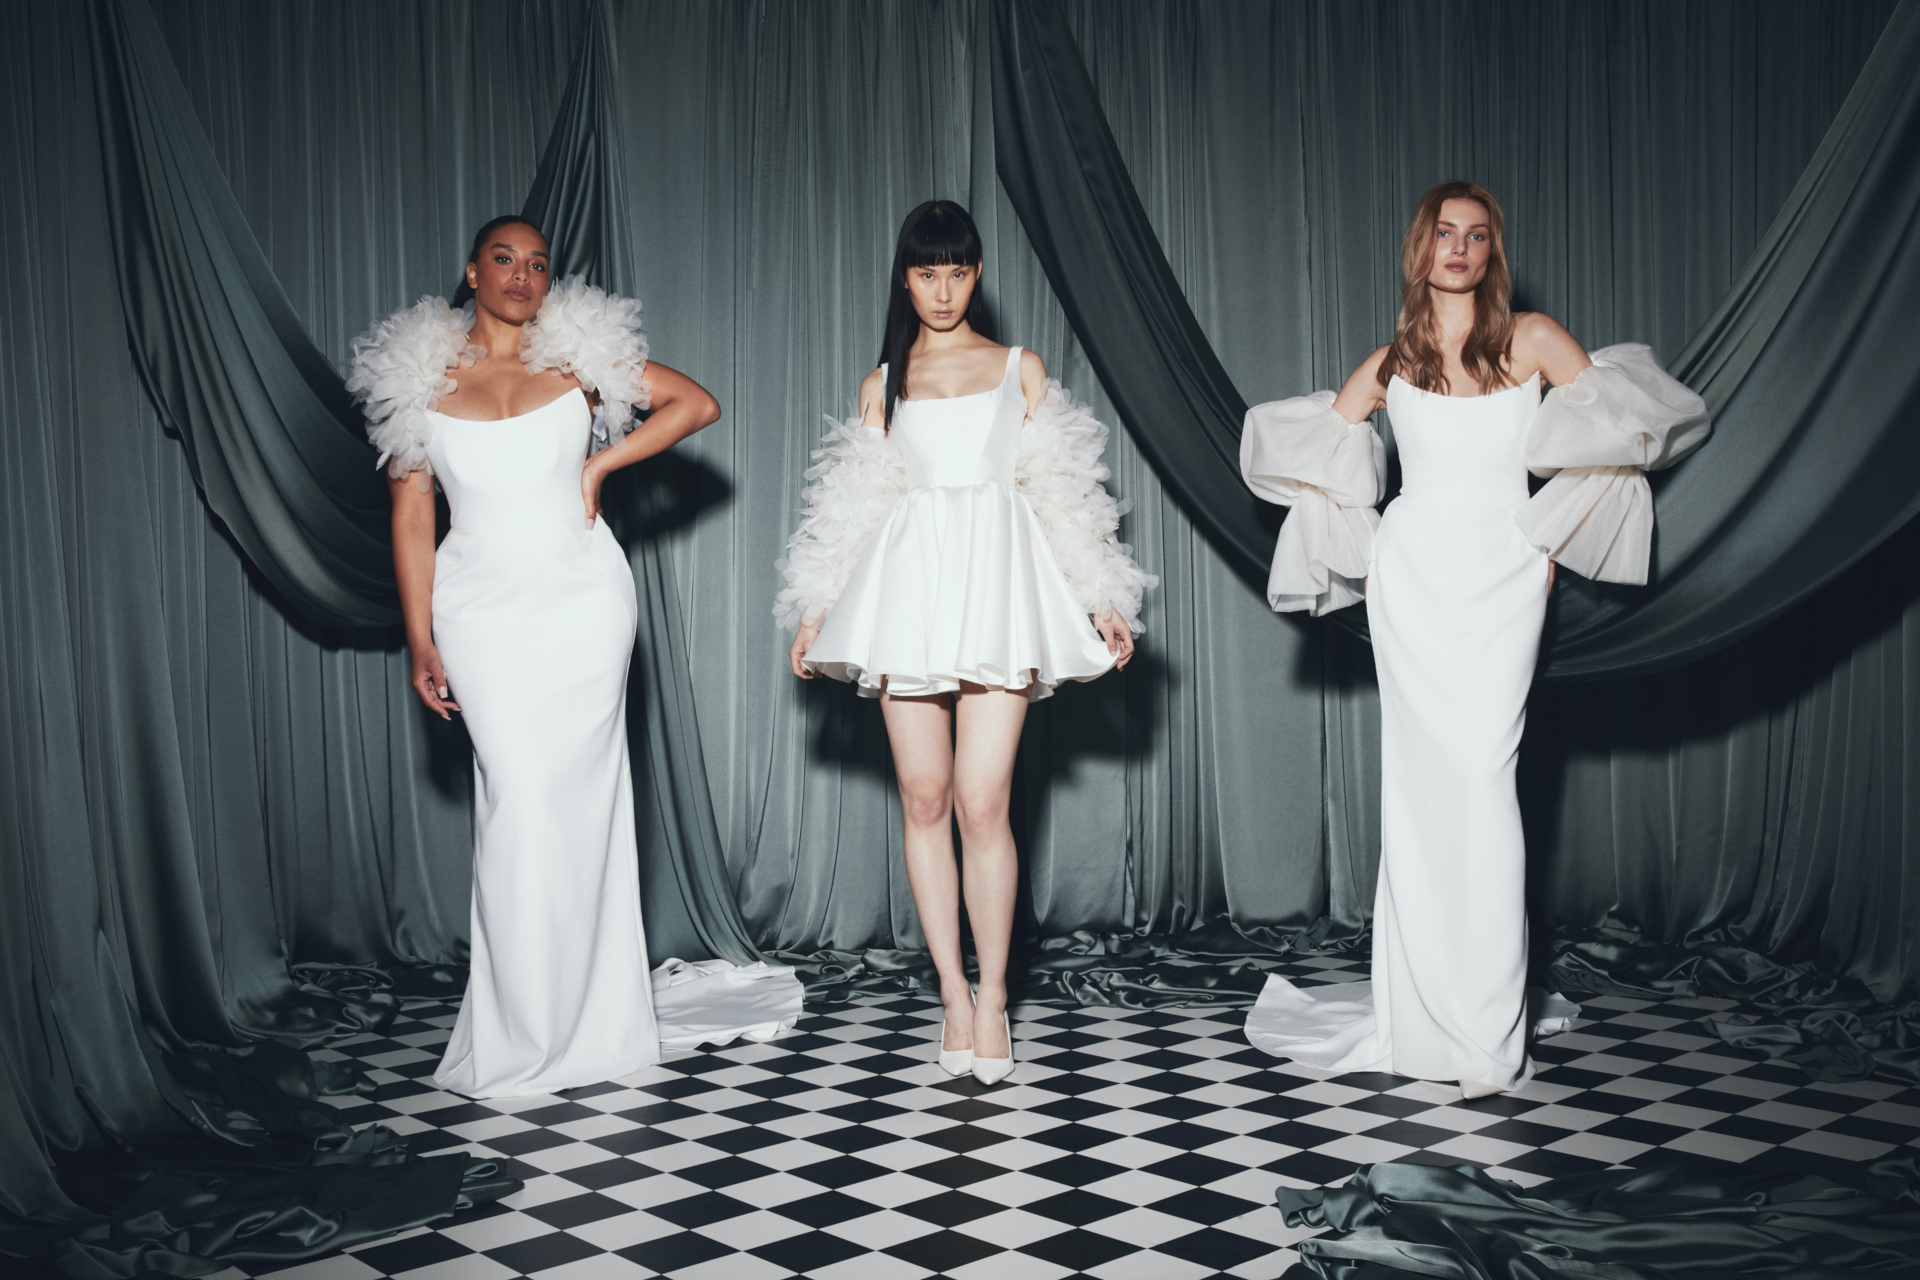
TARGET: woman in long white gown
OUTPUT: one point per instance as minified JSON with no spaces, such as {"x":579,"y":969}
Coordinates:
{"x":959,"y":559}
{"x":526,"y":615}
{"x":1456,"y":581}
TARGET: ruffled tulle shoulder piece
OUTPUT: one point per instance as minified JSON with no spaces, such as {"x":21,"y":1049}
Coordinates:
{"x":1057,"y":469}
{"x":1596,"y":438}
{"x":399,"y":373}
{"x":1301,"y":454}
{"x":857,"y":477}
{"x":594,"y":336}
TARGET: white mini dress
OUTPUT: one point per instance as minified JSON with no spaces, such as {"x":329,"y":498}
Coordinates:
{"x":959,"y":584}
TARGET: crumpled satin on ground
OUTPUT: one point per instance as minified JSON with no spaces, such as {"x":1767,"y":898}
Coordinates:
{"x":1681,"y":1220}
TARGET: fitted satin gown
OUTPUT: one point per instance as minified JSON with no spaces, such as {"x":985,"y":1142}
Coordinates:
{"x":534,"y":616}
{"x":1456,"y":596}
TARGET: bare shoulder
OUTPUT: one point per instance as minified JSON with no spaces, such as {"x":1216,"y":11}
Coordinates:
{"x":1542,"y":345}
{"x":1033,"y":377}
{"x":1534,"y":329}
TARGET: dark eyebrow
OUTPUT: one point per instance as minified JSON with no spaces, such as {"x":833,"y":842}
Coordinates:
{"x":501,"y":244}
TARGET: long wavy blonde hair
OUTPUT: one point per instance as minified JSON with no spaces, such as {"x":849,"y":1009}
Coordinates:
{"x":1415,"y":353}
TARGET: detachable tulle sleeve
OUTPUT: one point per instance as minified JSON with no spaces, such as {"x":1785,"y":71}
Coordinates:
{"x":857,"y":477}
{"x":1057,"y":469}
{"x":1301,"y":454}
{"x":399,"y":373}
{"x":595,"y":337}
{"x":1596,"y":438}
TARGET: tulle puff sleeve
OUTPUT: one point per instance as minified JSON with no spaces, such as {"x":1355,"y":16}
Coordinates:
{"x":399,"y":373}
{"x":1301,"y":454}
{"x":1596,"y":438}
{"x":857,"y":477}
{"x":594,"y":336}
{"x":1057,"y":468}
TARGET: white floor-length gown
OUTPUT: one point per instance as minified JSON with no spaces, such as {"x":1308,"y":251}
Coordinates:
{"x":534,"y":616}
{"x":1456,"y":589}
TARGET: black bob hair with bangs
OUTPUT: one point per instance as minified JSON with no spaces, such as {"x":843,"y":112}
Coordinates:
{"x":936,"y":234}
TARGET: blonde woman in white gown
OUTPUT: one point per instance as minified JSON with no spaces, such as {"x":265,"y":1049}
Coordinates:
{"x":958,"y":560}
{"x":1456,"y":577}
{"x":523,"y":621}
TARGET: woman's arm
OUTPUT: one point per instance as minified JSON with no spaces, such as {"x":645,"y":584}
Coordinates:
{"x":413,"y":570}
{"x":681,"y":407}
{"x":1363,"y":396}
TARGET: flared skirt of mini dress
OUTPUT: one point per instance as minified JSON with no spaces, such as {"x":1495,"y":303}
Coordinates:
{"x":958,"y":586}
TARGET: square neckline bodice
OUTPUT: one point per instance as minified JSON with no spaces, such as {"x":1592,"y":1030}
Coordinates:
{"x":956,"y":441}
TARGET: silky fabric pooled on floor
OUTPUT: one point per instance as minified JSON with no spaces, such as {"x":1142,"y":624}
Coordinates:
{"x":534,"y":616}
{"x":1456,"y":596}
{"x":959,"y":582}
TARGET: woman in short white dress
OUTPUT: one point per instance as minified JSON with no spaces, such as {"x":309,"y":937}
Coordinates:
{"x":1456,"y":584}
{"x":959,"y":559}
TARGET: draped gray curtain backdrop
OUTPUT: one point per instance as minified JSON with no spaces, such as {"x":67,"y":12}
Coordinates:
{"x":205,"y":790}
{"x":202,"y":788}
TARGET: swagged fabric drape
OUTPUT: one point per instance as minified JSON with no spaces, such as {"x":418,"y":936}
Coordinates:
{"x":1802,"y":363}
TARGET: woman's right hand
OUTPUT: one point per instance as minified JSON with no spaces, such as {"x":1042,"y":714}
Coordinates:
{"x":430,"y":681}
{"x":801,"y":643}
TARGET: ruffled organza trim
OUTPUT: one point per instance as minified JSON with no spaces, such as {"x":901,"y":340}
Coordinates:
{"x":595,"y":337}
{"x":1303,"y":455}
{"x":857,"y":477}
{"x":400,"y":365}
{"x":1595,"y":438}
{"x":1057,"y":469}
{"x":399,"y":374}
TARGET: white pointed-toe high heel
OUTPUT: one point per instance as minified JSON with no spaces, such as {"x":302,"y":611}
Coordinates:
{"x":994,"y":1070}
{"x":955,"y":1062}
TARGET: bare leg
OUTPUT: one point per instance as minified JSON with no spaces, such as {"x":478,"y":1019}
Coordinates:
{"x":921,"y":732}
{"x":988,"y":735}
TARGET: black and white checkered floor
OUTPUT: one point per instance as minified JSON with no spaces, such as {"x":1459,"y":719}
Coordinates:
{"x":1128,"y":1144}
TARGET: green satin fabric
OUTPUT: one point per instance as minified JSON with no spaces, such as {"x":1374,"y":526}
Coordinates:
{"x":1833,"y":1027}
{"x":274,"y":441}
{"x":1674,"y":1221}
{"x":263,"y":1170}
